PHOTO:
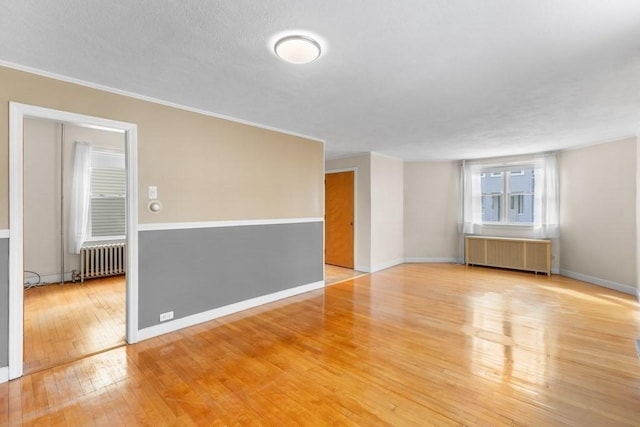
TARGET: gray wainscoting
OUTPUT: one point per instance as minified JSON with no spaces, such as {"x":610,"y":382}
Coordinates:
{"x":190,"y":271}
{"x":4,"y":302}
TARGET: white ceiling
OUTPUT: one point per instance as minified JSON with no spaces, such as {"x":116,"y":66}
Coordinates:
{"x":414,"y":79}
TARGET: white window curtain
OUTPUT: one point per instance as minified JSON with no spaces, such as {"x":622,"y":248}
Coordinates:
{"x":471,"y":198}
{"x":545,"y":225}
{"x":80,"y":196}
{"x":546,"y":217}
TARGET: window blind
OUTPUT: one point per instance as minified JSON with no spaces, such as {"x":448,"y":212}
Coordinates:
{"x":108,"y":211}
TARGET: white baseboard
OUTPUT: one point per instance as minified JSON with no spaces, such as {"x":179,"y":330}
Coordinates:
{"x":184,"y":322}
{"x":4,"y":374}
{"x":600,"y":282}
{"x":50,"y":278}
{"x":414,"y":260}
{"x":638,"y":294}
{"x":362,"y":268}
{"x":386,"y":265}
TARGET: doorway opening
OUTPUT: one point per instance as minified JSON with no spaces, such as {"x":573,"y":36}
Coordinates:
{"x":21,"y":116}
{"x":339,"y":226}
{"x":74,"y":190}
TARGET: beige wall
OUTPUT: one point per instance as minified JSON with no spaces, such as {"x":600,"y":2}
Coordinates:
{"x":387,"y":208}
{"x":42,"y":247}
{"x":431,"y":210}
{"x":362,"y":167}
{"x":598,"y":211}
{"x":42,"y":191}
{"x":205,"y":168}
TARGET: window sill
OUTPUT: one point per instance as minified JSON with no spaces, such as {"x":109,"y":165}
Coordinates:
{"x":499,"y":225}
{"x":107,"y":239}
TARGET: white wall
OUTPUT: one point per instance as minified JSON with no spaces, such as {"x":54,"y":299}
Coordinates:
{"x":598,"y":214}
{"x":431,"y":198}
{"x":387,"y":207}
{"x":379,"y":209}
{"x":362,"y":226}
{"x":638,"y":218}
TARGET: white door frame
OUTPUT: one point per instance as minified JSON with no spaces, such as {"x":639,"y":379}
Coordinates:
{"x":17,"y":113}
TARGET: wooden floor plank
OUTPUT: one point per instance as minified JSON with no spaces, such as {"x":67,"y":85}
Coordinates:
{"x":416,"y":344}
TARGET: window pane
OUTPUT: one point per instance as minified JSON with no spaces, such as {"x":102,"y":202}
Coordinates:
{"x":492,"y":185}
{"x":522,"y":187}
{"x":491,"y":207}
{"x":522,"y":183}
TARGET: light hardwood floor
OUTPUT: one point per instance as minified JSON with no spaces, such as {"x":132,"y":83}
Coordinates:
{"x":415,"y":344}
{"x":66,"y":322}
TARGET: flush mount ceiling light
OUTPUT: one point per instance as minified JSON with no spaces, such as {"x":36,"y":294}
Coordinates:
{"x":297,"y":49}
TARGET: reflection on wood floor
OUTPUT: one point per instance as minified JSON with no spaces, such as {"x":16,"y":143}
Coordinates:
{"x":416,"y":344}
{"x":334,"y":274}
{"x":66,"y":322}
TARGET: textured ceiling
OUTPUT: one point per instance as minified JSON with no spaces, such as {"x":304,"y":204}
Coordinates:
{"x":415,"y":79}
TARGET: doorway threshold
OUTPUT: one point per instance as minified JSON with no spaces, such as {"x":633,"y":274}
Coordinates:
{"x":334,"y":274}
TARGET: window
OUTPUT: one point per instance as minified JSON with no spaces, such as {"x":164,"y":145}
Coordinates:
{"x":516,"y":186}
{"x":107,"y":211}
{"x":520,"y":191}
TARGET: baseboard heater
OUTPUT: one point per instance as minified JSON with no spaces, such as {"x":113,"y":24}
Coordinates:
{"x":102,"y":260}
{"x":518,"y":254}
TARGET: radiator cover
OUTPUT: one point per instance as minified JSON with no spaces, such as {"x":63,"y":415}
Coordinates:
{"x":518,"y":254}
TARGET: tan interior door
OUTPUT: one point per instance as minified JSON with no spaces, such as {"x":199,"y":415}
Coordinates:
{"x":339,"y":202}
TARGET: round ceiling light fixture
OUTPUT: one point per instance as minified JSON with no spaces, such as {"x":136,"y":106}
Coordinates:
{"x":297,"y":49}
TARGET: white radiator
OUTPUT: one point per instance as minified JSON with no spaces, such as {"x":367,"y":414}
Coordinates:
{"x":102,"y":260}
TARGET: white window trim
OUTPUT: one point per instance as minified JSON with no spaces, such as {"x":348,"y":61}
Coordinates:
{"x":546,"y":221}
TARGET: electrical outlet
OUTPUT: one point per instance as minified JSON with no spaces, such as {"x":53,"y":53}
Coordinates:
{"x":166,"y":316}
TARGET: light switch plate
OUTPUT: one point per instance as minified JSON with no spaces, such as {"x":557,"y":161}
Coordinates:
{"x":153,"y":192}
